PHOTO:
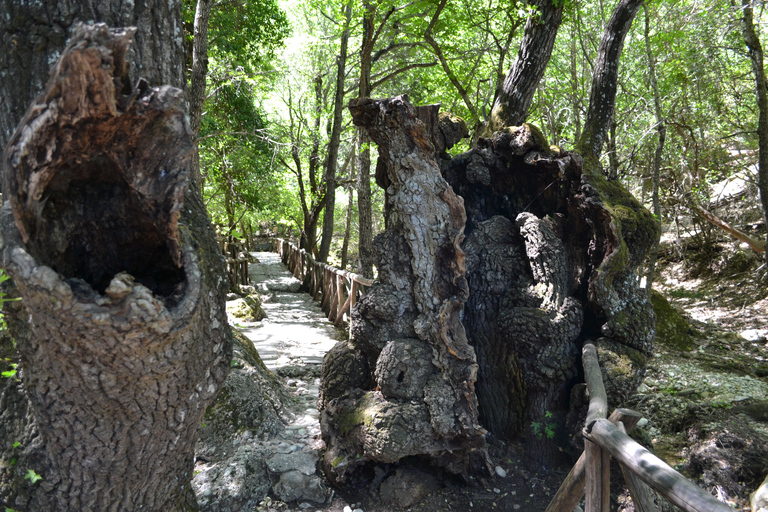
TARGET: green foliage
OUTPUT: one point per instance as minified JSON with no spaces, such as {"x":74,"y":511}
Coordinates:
{"x":32,"y":476}
{"x":546,"y":428}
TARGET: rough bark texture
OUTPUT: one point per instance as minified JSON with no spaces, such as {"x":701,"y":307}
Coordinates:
{"x":199,"y":64}
{"x":404,"y":384}
{"x":121,"y":277}
{"x":510,"y":108}
{"x":602,"y":98}
{"x":756,"y":56}
{"x":551,"y":259}
{"x":33,"y":34}
{"x":365,"y":211}
{"x":331,"y":163}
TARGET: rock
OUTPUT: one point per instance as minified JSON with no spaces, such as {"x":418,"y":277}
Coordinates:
{"x":754,"y":335}
{"x":252,"y":399}
{"x":296,"y":486}
{"x":500,"y":471}
{"x":303,"y":462}
{"x":407,"y":487}
{"x":248,"y":308}
{"x":758,"y":500}
{"x":239,"y":482}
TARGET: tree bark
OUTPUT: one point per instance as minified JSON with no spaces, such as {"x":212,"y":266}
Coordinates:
{"x":420,"y":398}
{"x":510,"y":108}
{"x":119,"y":271}
{"x":602,"y":97}
{"x":199,"y":64}
{"x":364,"y":208}
{"x":661,"y":129}
{"x":333,"y":144}
{"x":756,"y":56}
{"x":551,"y":255}
{"x":33,"y":34}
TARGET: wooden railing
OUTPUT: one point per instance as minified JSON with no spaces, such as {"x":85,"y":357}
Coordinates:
{"x":643,"y":471}
{"x":337,"y":290}
{"x":237,"y":257}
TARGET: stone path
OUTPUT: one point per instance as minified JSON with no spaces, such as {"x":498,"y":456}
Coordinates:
{"x":291,"y":341}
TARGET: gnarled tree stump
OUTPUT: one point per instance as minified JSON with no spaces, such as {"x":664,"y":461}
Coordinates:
{"x":552,"y":249}
{"x":404,"y":384}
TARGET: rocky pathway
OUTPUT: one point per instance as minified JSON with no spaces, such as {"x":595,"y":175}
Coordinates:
{"x":291,"y":342}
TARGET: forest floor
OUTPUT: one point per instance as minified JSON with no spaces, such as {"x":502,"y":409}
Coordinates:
{"x":688,"y":397}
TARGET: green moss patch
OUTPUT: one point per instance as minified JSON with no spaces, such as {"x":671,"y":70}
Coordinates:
{"x":672,"y":328}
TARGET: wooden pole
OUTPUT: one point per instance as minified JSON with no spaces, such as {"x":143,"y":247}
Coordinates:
{"x":598,"y":399}
{"x":597,"y":475}
{"x":652,"y":470}
{"x":571,"y":491}
{"x":642,"y":495}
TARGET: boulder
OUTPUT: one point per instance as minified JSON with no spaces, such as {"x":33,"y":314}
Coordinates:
{"x":248,"y":308}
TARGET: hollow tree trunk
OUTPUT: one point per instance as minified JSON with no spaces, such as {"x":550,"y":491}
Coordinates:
{"x":404,"y":384}
{"x":119,"y":271}
{"x":551,"y":258}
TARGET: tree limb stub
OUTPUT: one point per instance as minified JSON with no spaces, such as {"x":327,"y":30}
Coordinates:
{"x":119,"y":271}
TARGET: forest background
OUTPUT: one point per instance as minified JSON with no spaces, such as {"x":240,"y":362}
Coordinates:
{"x":276,"y":136}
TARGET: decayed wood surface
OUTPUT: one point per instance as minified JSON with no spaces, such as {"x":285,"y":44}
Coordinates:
{"x":121,"y":277}
{"x":652,"y":470}
{"x":337,"y":290}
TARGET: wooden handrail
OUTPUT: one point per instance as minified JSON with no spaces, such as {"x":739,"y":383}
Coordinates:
{"x":652,"y":470}
{"x":589,"y":477}
{"x":337,"y":290}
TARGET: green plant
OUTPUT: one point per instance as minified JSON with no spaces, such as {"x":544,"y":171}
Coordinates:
{"x":12,"y":372}
{"x":722,"y":404}
{"x":32,"y":476}
{"x":548,"y":428}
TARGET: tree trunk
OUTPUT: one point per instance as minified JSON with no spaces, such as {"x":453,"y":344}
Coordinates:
{"x":119,"y":271}
{"x":756,"y":56}
{"x":511,"y":106}
{"x":348,"y":220}
{"x":333,"y":144}
{"x":364,"y":208}
{"x":548,"y":266}
{"x":199,"y":64}
{"x":661,"y":128}
{"x":420,"y":399}
{"x":602,"y":98}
